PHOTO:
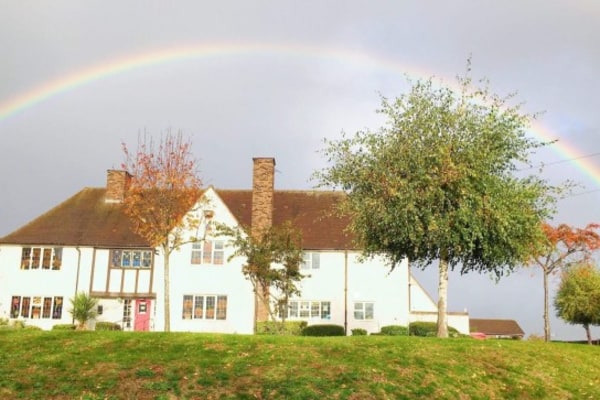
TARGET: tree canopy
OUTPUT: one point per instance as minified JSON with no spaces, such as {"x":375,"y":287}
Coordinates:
{"x":578,"y":298}
{"x":439,"y":181}
{"x":272,"y":264}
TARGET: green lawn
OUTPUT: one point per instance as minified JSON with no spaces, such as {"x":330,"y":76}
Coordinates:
{"x":124,"y":365}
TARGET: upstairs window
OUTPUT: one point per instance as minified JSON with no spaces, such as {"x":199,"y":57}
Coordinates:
{"x":208,"y":252}
{"x":130,"y":258}
{"x":41,"y":258}
{"x":311,"y":260}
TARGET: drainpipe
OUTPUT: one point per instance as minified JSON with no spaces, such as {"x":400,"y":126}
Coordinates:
{"x":346,"y":292}
{"x":77,"y":277}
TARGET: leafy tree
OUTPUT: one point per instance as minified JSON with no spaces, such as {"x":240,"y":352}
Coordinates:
{"x":439,"y":182}
{"x":578,"y":298}
{"x":83,"y":309}
{"x":273,"y":260}
{"x":564,"y":246}
{"x":164,"y":188}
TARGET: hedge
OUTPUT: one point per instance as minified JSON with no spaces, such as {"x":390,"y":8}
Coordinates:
{"x":324,"y":330}
{"x":394,"y":330}
{"x":63,"y":327}
{"x":359,"y":332}
{"x":289,"y":328}
{"x":429,"y":329}
{"x":107,"y":326}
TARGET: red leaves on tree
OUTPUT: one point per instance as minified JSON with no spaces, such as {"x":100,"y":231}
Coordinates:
{"x":164,"y":186}
{"x":566,"y":245}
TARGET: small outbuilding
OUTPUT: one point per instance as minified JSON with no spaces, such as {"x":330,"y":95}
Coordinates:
{"x":495,"y":328}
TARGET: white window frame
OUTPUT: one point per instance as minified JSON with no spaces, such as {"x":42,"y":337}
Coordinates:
{"x":364,"y":310}
{"x":302,"y":309}
{"x":208,"y":252}
{"x":310,"y":260}
{"x":54,"y":258}
{"x":203,"y":300}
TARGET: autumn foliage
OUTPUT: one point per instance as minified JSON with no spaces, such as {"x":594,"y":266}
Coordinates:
{"x":564,"y":246}
{"x":164,"y":188}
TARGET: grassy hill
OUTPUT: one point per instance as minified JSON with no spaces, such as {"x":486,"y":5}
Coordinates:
{"x":123,"y":365}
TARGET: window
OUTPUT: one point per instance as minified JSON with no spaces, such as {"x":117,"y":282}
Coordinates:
{"x":364,"y":310}
{"x":41,"y":257}
{"x":208,"y":252}
{"x":311,"y":260}
{"x":204,"y":307}
{"x":305,"y":309}
{"x":36,"y":307}
{"x":130,"y":258}
{"x":127,"y":313}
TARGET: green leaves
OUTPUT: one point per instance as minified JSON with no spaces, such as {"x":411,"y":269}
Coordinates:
{"x":441,"y":175}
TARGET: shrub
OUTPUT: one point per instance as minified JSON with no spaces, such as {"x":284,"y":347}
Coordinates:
{"x":324,"y":330}
{"x":4,"y":321}
{"x":359,"y":332}
{"x":289,"y":328}
{"x":107,"y":326}
{"x":394,"y":330}
{"x":83,"y":309}
{"x":64,"y":327}
{"x":429,"y":329}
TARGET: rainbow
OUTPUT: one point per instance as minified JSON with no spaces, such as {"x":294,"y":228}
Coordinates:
{"x":105,"y":70}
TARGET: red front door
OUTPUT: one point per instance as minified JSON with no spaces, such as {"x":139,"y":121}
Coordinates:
{"x":142,"y":315}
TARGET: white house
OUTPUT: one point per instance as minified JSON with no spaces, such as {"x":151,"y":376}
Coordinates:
{"x":85,"y":244}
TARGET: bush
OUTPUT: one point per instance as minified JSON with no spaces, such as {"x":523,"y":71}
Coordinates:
{"x":359,"y":332}
{"x":4,"y":321}
{"x":394,"y":330}
{"x":107,"y":326}
{"x":324,"y":330}
{"x":290,"y":328}
{"x":429,"y":329}
{"x":64,"y":327}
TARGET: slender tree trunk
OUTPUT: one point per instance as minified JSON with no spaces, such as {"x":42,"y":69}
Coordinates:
{"x":546,"y":315}
{"x":442,"y":321}
{"x":167,"y":289}
{"x":588,"y":333}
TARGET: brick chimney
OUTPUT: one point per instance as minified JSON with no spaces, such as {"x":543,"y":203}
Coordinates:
{"x":263,"y":180}
{"x":117,"y":182}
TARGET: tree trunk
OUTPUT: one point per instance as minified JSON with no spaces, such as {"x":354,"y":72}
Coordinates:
{"x":588,"y":333}
{"x":546,"y":315}
{"x":442,"y":320}
{"x":167,"y":289}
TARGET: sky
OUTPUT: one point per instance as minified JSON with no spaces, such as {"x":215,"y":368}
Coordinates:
{"x":273,"y":79}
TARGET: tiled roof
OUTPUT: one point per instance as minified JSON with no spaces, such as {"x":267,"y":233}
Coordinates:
{"x":82,"y":220}
{"x":309,"y":211}
{"x":87,"y":220}
{"x":491,"y":327}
